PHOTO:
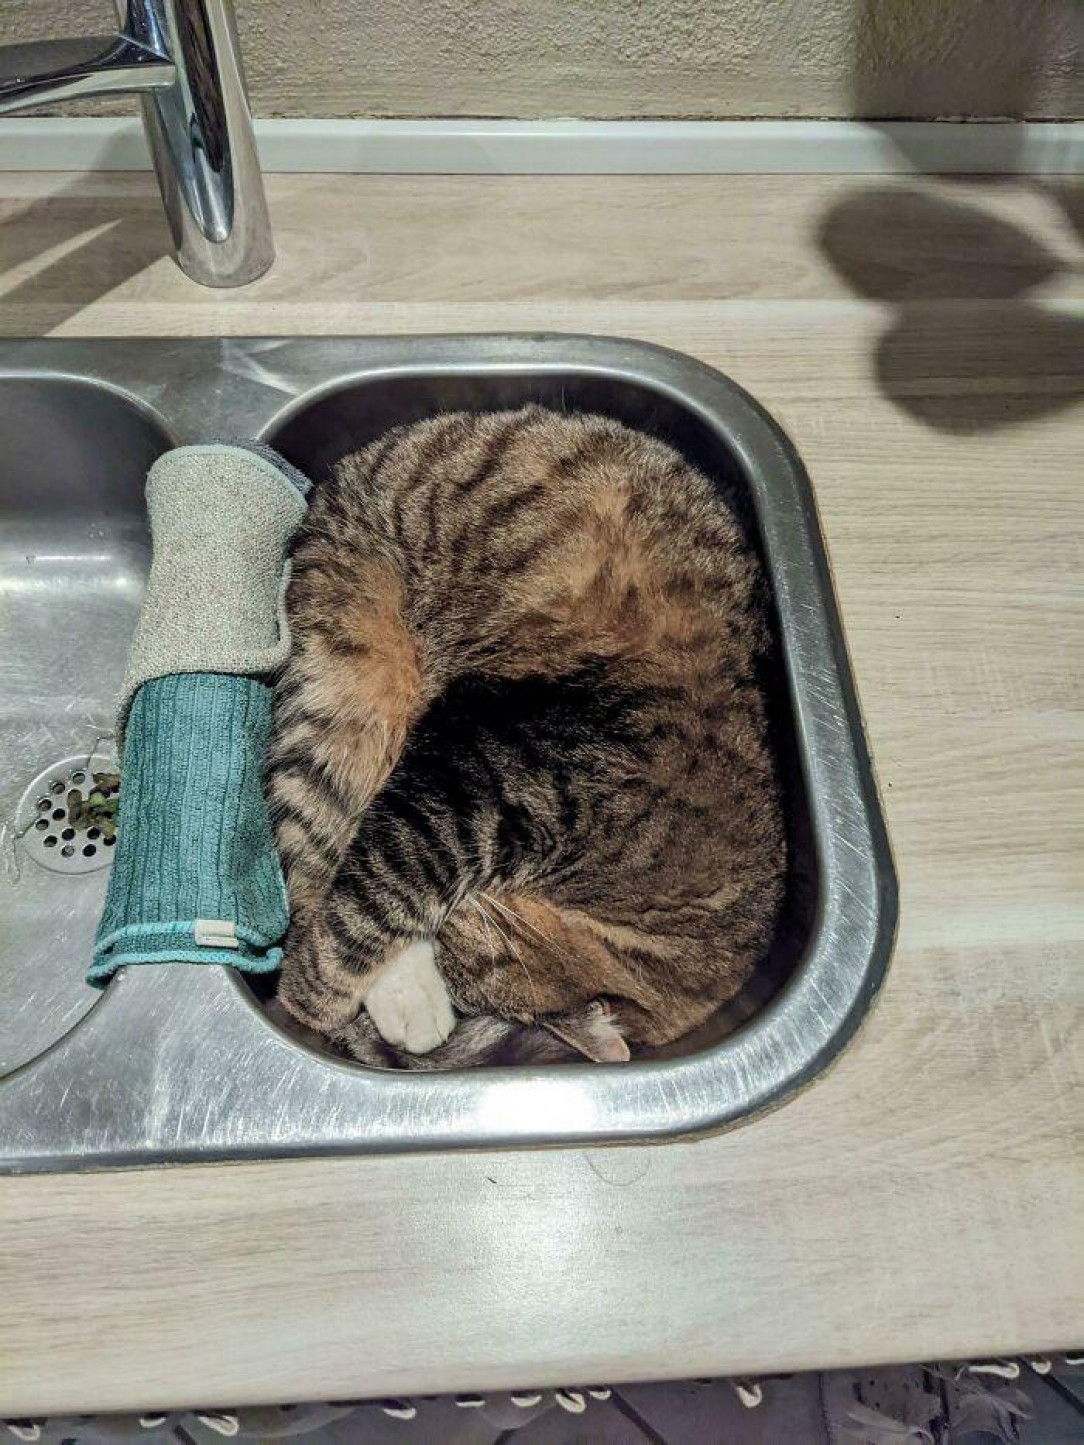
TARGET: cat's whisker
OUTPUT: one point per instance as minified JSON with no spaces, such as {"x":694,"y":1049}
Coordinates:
{"x":511,"y":945}
{"x":516,"y":955}
{"x":485,"y":925}
{"x":524,"y":923}
{"x":516,"y":919}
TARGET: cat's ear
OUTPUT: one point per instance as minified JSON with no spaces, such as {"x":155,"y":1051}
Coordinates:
{"x":594,"y":1033}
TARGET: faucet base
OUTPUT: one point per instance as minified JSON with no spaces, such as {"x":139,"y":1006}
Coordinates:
{"x":183,"y":58}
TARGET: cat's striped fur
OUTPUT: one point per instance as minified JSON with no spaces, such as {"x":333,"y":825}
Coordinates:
{"x":523,"y":716}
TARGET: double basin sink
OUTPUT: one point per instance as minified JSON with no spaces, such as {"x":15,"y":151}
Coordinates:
{"x":182,"y":1062}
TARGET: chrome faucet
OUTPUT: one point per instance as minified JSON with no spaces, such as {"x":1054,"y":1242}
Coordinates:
{"x":182,"y":57}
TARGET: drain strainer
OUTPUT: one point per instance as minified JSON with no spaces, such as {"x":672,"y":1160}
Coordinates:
{"x":48,"y":808}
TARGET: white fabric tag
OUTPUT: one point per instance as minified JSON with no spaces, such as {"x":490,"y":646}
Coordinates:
{"x":216,"y":933}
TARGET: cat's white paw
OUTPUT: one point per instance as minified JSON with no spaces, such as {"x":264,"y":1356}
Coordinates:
{"x":408,"y":1001}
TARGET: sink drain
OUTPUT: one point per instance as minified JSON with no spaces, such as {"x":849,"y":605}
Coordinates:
{"x":44,"y":823}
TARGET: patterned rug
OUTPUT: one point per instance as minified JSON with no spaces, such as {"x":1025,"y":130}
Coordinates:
{"x":1037,"y":1401}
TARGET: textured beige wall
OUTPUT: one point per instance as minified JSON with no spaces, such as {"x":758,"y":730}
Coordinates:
{"x":702,"y":58}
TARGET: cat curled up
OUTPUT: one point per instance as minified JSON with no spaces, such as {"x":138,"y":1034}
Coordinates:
{"x":521,"y":772}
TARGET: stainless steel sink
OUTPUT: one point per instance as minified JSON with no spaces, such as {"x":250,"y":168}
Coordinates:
{"x":182,"y":1063}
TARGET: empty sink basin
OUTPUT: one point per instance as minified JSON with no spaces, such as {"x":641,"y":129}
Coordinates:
{"x":182,"y":1062}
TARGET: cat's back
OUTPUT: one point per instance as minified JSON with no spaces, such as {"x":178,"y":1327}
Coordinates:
{"x":584,"y":536}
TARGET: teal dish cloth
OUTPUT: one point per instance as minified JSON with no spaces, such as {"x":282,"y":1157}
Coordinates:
{"x":196,"y":878}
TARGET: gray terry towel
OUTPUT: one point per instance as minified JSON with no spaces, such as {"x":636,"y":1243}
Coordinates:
{"x":221,"y":520}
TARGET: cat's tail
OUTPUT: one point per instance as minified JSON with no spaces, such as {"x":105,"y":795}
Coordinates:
{"x":474,"y":1041}
{"x":484,"y":1039}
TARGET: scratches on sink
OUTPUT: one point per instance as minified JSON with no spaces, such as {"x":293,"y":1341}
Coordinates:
{"x":107,"y":757}
{"x":9,"y":848}
{"x":244,"y":362}
{"x":619,"y":1167}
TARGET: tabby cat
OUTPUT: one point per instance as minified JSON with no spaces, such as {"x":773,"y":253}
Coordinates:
{"x":521,"y":759}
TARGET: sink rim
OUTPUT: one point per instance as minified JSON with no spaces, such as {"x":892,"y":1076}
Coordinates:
{"x":791,"y":1039}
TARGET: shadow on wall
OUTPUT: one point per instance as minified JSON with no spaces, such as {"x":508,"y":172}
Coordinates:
{"x":966,"y":350}
{"x":928,"y":59}
{"x":98,"y":246}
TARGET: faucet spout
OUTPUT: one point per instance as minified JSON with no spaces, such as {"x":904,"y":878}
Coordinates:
{"x":182,"y":57}
{"x":54,"y":70}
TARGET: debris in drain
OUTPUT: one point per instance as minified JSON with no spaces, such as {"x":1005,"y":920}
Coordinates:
{"x":97,"y":812}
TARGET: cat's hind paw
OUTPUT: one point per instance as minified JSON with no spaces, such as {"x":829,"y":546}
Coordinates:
{"x":408,"y":1001}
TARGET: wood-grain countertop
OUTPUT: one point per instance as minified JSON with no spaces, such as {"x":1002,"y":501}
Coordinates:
{"x":923,"y":344}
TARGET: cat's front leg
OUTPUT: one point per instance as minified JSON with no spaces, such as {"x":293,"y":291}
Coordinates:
{"x":325,"y":985}
{"x":314,"y":985}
